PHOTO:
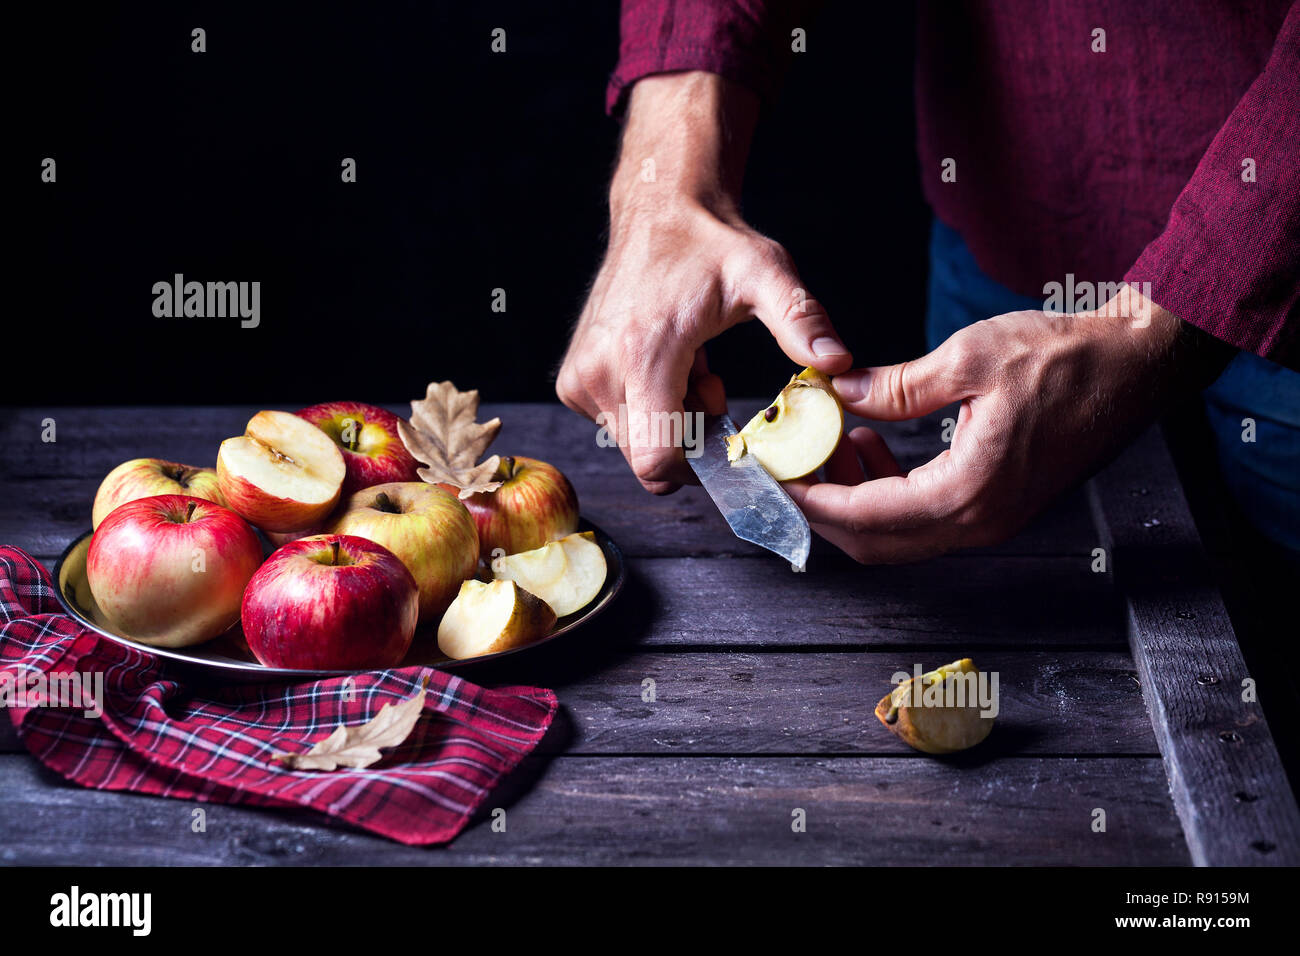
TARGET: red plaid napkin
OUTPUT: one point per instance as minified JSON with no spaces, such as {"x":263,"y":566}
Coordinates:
{"x":154,"y":737}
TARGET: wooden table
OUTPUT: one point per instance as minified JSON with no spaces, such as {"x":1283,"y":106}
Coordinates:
{"x":764,"y":686}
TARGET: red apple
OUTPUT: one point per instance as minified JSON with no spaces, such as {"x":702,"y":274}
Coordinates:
{"x":367,"y":437}
{"x":535,"y":504}
{"x":331,"y":602}
{"x":146,"y":477}
{"x":425,"y":526}
{"x":170,"y":570}
{"x":282,"y":474}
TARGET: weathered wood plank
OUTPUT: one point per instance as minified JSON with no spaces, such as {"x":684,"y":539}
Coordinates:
{"x":48,"y":487}
{"x":820,"y":703}
{"x":1228,"y":783}
{"x":946,"y":602}
{"x":930,"y":612}
{"x":743,"y":703}
{"x":657,"y":810}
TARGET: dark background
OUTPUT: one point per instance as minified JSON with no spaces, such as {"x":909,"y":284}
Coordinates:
{"x":475,"y":171}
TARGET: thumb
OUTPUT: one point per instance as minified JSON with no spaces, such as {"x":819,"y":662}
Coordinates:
{"x":909,"y":390}
{"x":796,"y":320}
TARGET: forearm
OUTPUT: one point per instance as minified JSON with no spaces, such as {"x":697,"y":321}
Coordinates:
{"x":686,"y":139}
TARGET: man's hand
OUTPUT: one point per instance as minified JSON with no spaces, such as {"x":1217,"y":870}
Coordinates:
{"x":1046,"y":399}
{"x":681,"y":267}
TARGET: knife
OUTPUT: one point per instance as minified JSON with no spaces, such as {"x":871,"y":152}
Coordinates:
{"x":755,"y":506}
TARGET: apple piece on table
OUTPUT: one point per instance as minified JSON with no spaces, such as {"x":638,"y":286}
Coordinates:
{"x":331,"y":602}
{"x":796,"y":434}
{"x":171,"y":570}
{"x":283,"y":474}
{"x":491,"y":618}
{"x":936,"y":728}
{"x":147,"y":477}
{"x":424,"y":525}
{"x":367,"y":436}
{"x":566,"y":574}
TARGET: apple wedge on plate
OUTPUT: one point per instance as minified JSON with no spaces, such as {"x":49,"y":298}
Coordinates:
{"x":490,"y":618}
{"x":282,"y":474}
{"x":566,"y":574}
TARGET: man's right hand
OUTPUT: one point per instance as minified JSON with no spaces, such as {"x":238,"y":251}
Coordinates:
{"x":681,"y":267}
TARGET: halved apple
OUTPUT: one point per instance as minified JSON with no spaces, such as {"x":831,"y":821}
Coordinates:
{"x":282,"y":474}
{"x":934,"y":727}
{"x":566,"y":574}
{"x":794,"y":435}
{"x":490,"y":618}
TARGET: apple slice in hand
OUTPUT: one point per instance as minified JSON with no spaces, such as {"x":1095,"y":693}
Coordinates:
{"x":282,"y":474}
{"x":490,"y":618}
{"x":794,"y":435}
{"x":566,"y":574}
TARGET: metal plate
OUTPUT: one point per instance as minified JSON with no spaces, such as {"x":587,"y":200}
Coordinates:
{"x":227,"y":657}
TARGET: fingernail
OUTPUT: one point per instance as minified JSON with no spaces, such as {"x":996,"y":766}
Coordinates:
{"x":826,"y":346}
{"x":851,"y":386}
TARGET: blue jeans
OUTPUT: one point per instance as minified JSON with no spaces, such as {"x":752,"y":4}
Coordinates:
{"x":1263,"y":475}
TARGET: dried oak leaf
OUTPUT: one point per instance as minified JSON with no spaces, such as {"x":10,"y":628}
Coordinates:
{"x":444,"y":435}
{"x":358,"y":747}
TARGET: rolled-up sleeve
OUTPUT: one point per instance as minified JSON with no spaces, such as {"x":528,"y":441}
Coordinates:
{"x":748,"y":41}
{"x":1228,"y":260}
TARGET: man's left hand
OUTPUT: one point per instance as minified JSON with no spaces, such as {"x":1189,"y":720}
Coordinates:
{"x":1046,"y":399}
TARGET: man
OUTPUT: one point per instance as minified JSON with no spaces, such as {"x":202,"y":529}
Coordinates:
{"x":1148,"y":147}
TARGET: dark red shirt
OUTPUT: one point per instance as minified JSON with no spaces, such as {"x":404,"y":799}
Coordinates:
{"x":1171,"y":157}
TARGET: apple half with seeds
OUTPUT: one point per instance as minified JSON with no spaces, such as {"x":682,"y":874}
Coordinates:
{"x":566,"y":574}
{"x":794,"y":435}
{"x":282,"y":474}
{"x":490,"y":618}
{"x":936,"y":727}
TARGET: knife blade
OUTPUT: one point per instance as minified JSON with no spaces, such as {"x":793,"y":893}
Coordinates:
{"x":752,"y":502}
